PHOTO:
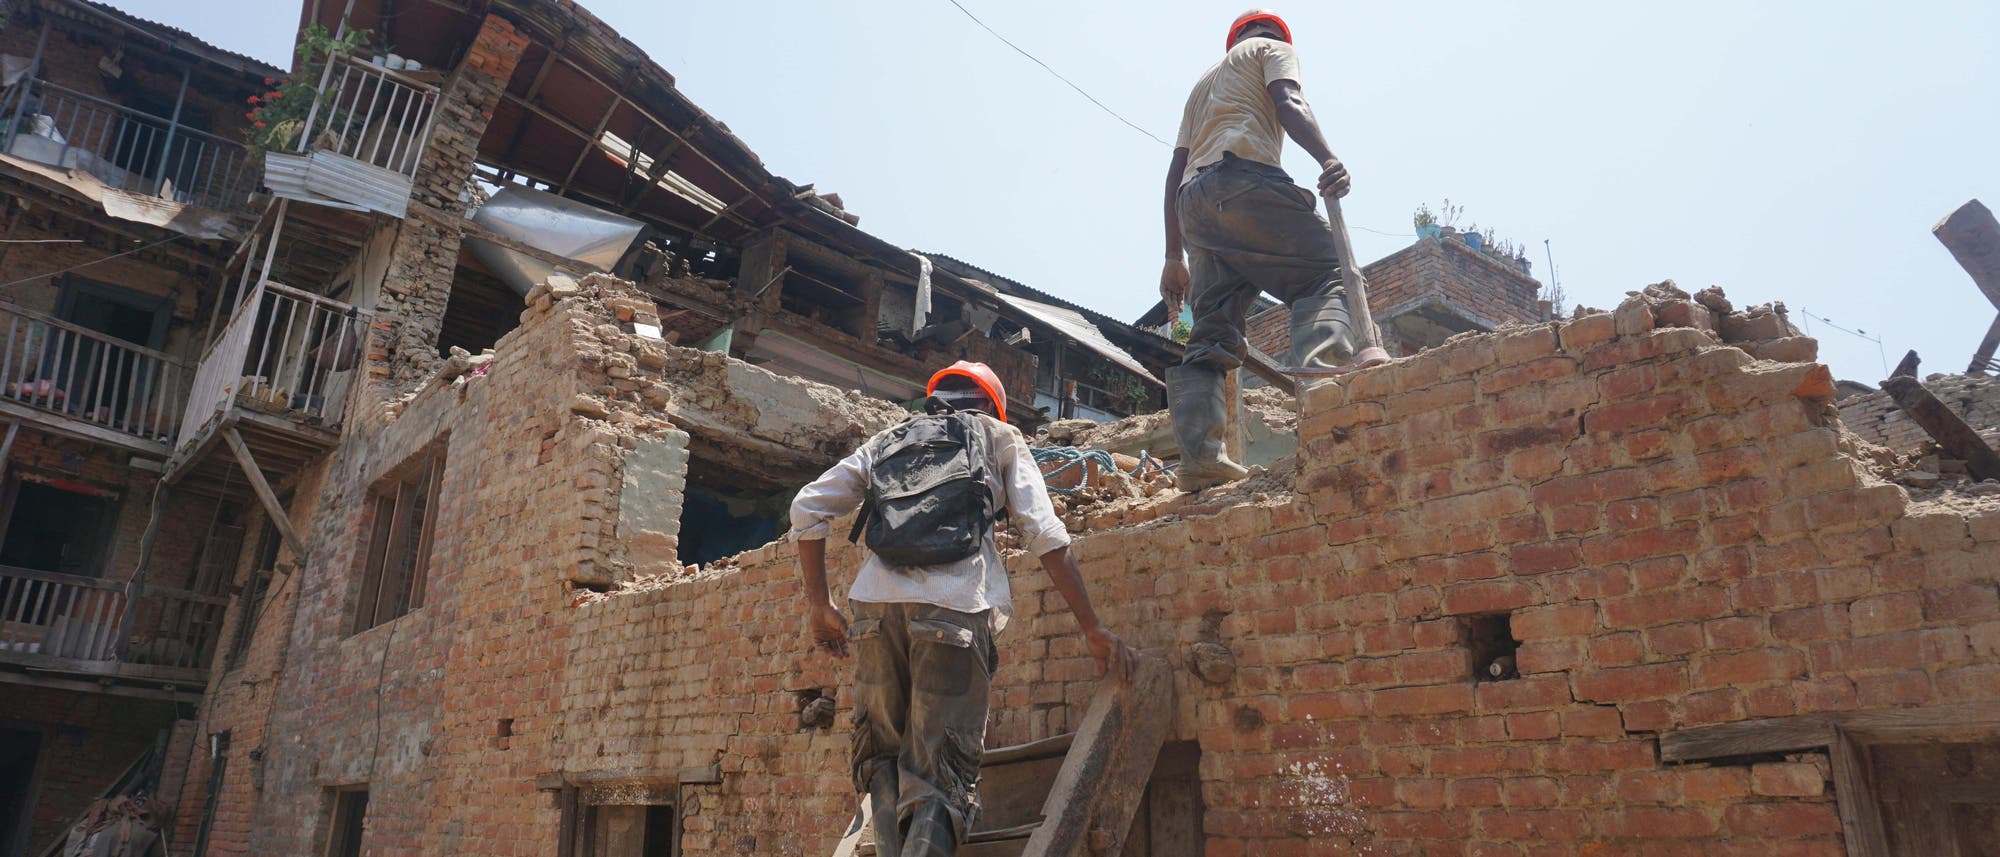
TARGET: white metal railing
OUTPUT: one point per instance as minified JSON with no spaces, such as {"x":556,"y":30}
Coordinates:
{"x":60,"y":615}
{"x":372,"y":114}
{"x":78,"y":373}
{"x":284,"y":351}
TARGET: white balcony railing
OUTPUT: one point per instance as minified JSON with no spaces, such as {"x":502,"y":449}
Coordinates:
{"x":82,"y":375}
{"x":285,"y":352}
{"x":362,"y":142}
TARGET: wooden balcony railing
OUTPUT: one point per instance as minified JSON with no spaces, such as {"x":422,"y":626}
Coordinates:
{"x":60,"y":615}
{"x":48,"y":615}
{"x":126,"y":149}
{"x":280,"y":353}
{"x":89,"y":377}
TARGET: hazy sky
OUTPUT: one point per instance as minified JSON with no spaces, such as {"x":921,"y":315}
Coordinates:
{"x":1791,"y":151}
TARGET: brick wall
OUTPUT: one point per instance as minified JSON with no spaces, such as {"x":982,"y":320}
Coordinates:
{"x":1875,"y":417}
{"x":410,"y":309}
{"x":87,"y":740}
{"x":1447,"y":270}
{"x":1671,"y":526}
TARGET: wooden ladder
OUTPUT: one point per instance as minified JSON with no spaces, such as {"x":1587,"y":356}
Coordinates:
{"x":1071,"y":795}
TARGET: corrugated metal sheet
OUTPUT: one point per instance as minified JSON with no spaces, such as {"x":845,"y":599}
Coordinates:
{"x":1073,"y":325}
{"x":328,"y":179}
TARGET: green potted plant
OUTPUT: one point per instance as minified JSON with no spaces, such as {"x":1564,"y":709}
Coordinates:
{"x":1426,"y":222}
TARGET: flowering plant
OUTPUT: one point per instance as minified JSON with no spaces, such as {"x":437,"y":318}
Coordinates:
{"x":277,"y":117}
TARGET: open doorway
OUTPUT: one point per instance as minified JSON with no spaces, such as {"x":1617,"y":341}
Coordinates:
{"x":19,"y":749}
{"x":55,"y":526}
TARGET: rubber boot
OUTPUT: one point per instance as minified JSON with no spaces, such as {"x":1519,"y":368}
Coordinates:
{"x":1321,"y":338}
{"x":882,"y":795}
{"x":931,"y":833}
{"x":1195,"y":398}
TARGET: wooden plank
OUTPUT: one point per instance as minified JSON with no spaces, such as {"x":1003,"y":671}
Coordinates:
{"x":1973,"y":237}
{"x":80,"y":430}
{"x":1860,"y":811}
{"x":1052,"y":746}
{"x":560,"y":262}
{"x":1103,"y":779}
{"x":1747,"y":738}
{"x":272,"y":507}
{"x":108,"y":688}
{"x":1957,"y":439}
{"x":1982,"y":357}
{"x":1264,"y":367}
{"x":1785,"y":734}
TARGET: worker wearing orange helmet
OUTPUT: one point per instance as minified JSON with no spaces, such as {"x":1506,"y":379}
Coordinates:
{"x":1246,"y":229}
{"x":924,"y":633}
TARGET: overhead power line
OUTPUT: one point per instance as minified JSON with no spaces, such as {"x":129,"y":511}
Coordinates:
{"x":1058,"y":75}
{"x":174,"y":237}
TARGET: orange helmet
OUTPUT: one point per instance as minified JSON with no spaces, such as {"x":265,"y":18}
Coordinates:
{"x":980,"y":374}
{"x":1229,"y":41}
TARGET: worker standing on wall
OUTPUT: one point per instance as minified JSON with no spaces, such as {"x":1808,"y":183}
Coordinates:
{"x":1247,"y":230}
{"x":930,"y":597}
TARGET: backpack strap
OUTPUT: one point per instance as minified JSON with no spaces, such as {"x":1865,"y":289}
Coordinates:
{"x":861,"y":518}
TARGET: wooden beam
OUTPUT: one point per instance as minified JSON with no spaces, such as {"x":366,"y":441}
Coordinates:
{"x":272,"y":507}
{"x":107,"y":688}
{"x":1860,"y":810}
{"x":1973,"y":237}
{"x":1103,"y":777}
{"x":80,"y":430}
{"x":1982,"y":357}
{"x":1957,"y":439}
{"x":1812,"y":731}
{"x":7,"y":446}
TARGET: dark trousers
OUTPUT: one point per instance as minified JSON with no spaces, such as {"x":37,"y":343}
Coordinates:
{"x":1248,"y":229}
{"x":922,"y":674}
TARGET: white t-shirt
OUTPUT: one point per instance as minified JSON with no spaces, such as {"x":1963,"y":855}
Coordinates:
{"x":1230,"y":109}
{"x":970,"y":585}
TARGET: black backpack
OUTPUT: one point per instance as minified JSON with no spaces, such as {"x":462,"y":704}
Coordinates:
{"x":927,"y":502}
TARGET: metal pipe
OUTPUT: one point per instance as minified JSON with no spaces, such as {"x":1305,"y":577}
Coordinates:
{"x":173,"y":124}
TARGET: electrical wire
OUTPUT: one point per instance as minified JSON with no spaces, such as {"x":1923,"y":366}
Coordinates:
{"x":78,"y":267}
{"x":1881,"y":353}
{"x":1058,"y":75}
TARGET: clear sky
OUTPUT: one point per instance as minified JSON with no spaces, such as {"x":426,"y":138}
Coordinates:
{"x":1785,"y":150}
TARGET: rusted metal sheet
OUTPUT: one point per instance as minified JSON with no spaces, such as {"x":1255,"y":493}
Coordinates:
{"x":1957,"y":439}
{"x":324,"y":178}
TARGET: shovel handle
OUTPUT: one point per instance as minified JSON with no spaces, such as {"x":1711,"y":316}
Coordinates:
{"x":1352,"y":278}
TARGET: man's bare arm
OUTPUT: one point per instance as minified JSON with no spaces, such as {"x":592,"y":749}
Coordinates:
{"x":1174,"y":277}
{"x":1111,"y":653}
{"x":823,"y":620}
{"x":1296,"y":115}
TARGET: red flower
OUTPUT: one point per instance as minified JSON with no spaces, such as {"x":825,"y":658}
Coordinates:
{"x":269,"y":81}
{"x":260,"y":124}
{"x":251,"y":100}
{"x":274,"y":96}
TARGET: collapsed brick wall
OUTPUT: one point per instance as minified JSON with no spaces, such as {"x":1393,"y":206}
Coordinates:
{"x":1446,"y":270}
{"x":410,"y":309}
{"x":1671,"y":524}
{"x":1876,"y":418}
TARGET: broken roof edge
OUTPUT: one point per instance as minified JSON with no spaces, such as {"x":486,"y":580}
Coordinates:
{"x":1136,"y":335}
{"x":173,"y":39}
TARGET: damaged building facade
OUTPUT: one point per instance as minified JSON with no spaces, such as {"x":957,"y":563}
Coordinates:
{"x":489,"y":529}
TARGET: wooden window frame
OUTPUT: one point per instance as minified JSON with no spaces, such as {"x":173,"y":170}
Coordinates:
{"x":341,"y":803}
{"x":404,"y":500}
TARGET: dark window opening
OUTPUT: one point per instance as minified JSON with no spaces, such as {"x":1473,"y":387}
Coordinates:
{"x":54,"y":527}
{"x":19,"y":750}
{"x":503,"y":733}
{"x":402,"y":519}
{"x":479,"y":310}
{"x":717,"y":522}
{"x":255,"y":590}
{"x":1490,"y":639}
{"x":651,"y":830}
{"x":345,"y":822}
{"x":218,"y":770}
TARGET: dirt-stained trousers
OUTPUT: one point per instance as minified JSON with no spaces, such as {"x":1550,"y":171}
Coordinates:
{"x":922,"y":675}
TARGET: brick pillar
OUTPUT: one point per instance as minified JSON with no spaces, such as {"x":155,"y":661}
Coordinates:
{"x":411,"y":307}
